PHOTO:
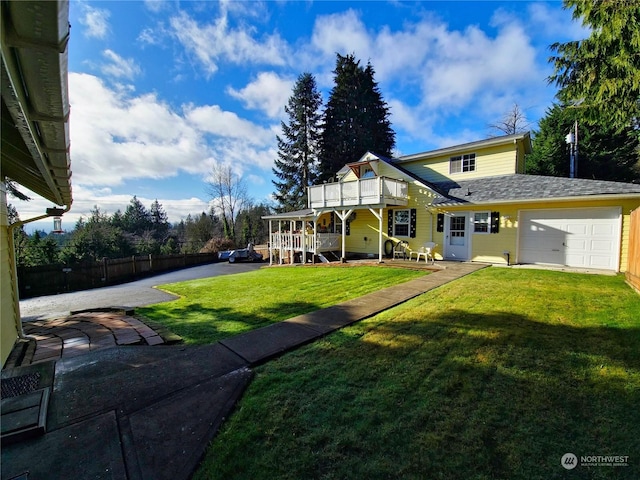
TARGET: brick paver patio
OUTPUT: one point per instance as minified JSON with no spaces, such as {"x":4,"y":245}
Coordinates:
{"x":84,"y":332}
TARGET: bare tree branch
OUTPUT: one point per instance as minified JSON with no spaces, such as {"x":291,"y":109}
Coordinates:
{"x":514,"y":121}
{"x":228,"y":192}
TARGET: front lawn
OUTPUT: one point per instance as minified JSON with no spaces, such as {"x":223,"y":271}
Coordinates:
{"x":496,"y":375}
{"x":211,"y":309}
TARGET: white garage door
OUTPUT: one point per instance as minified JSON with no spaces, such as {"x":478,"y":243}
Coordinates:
{"x":580,"y":237}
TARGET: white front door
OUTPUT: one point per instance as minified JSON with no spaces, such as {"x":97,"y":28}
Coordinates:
{"x":457,"y":239}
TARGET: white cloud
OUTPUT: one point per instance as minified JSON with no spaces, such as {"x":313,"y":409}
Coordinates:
{"x":268,"y":93}
{"x":430,"y":73}
{"x":212,"y":119}
{"x":116,"y":136}
{"x":96,"y":20}
{"x":555,"y":23}
{"x":217,"y":42}
{"x":343,"y":33}
{"x":119,"y":67}
{"x":468,"y":65}
{"x":156,"y":6}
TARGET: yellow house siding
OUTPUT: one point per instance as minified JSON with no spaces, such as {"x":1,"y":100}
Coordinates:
{"x":364,"y":226}
{"x":497,"y":160}
{"x":489,"y":247}
{"x":367,"y":225}
{"x":8,"y":331}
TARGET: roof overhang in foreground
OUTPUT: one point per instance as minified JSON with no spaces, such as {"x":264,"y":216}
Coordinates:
{"x":35,"y":99}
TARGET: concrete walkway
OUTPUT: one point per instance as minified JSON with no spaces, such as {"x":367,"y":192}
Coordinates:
{"x":149,"y":412}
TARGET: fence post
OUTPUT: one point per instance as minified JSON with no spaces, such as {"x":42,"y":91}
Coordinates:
{"x":133,"y":261}
{"x":151,"y":262}
{"x":105,"y":269}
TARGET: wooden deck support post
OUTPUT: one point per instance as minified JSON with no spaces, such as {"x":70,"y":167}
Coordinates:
{"x":270,"y":243}
{"x":378,"y":215}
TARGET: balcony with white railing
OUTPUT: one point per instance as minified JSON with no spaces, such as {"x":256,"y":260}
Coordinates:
{"x":366,"y":191}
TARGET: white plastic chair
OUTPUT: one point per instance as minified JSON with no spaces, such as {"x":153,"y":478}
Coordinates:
{"x":426,"y":251}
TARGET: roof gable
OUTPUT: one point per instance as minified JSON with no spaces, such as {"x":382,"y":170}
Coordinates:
{"x":524,"y":138}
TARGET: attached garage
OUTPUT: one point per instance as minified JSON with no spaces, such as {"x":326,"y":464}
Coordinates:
{"x":574,"y":237}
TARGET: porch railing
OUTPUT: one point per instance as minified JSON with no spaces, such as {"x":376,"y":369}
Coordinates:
{"x":367,"y":191}
{"x":293,"y":241}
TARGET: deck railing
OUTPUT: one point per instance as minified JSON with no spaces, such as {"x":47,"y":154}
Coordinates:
{"x":367,"y":191}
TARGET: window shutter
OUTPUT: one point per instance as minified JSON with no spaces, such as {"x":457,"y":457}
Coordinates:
{"x":332,"y":226}
{"x":412,"y":225}
{"x":347,"y":227}
{"x":440,"y":224}
{"x":390,"y":223}
{"x":495,"y":222}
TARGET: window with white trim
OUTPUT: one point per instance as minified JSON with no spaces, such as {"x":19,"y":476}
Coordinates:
{"x":401,"y":222}
{"x":462,"y":163}
{"x":481,"y":222}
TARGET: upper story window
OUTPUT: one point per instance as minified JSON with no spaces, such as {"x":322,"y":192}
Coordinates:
{"x":367,"y":172}
{"x":463,"y":163}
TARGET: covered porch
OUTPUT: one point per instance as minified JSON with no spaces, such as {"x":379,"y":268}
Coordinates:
{"x":296,"y":235}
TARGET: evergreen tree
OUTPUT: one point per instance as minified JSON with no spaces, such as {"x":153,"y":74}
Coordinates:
{"x":604,"y":153}
{"x":159,"y":221}
{"x":602,"y":72}
{"x":356,"y":119}
{"x":95,"y":238}
{"x":297,"y":162}
{"x":136,"y":219}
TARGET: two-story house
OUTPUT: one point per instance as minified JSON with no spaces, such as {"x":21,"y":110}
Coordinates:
{"x":474,"y":200}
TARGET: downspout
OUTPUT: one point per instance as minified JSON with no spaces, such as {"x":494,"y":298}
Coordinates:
{"x":51,"y":212}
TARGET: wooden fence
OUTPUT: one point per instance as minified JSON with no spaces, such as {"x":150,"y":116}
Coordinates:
{"x":51,"y":279}
{"x":633,"y":267}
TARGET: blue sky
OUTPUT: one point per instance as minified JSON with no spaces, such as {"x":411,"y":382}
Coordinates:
{"x":161,"y":91}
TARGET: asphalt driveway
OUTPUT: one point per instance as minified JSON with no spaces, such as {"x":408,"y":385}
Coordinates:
{"x":132,"y":294}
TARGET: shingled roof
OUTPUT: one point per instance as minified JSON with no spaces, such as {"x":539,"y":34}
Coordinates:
{"x":519,"y":187}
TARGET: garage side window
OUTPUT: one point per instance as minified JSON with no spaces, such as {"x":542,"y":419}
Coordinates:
{"x":481,"y":222}
{"x":486,"y":222}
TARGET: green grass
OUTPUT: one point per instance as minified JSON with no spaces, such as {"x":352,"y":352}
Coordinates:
{"x":214,"y":308}
{"x":496,"y":375}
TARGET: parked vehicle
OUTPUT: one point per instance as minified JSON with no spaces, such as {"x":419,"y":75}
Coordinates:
{"x":241,"y":255}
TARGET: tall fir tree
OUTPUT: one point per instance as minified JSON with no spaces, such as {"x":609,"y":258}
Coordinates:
{"x":136,"y":218}
{"x":602,"y":72}
{"x":604,"y":152}
{"x":159,"y":221}
{"x":356,"y":119}
{"x":297,"y":162}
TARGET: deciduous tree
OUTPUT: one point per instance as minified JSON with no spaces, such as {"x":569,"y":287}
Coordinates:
{"x":514,"y":121}
{"x":228,"y":192}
